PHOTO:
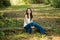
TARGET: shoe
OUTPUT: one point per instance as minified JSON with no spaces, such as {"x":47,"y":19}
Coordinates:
{"x":43,"y":35}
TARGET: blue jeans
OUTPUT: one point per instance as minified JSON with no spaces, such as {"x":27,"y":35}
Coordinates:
{"x":39,"y":28}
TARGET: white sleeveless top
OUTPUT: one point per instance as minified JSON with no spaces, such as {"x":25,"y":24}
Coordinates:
{"x":28,"y":20}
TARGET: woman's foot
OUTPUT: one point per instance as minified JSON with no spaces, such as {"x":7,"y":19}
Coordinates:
{"x":43,"y":35}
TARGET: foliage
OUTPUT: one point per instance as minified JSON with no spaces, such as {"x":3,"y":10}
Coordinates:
{"x":33,"y":1}
{"x":4,"y":3}
{"x":1,"y":23}
{"x":46,"y":1}
{"x":56,"y":3}
{"x":1,"y":20}
{"x":36,"y":1}
{"x":1,"y":34}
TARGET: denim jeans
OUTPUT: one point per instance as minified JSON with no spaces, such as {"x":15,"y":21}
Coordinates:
{"x":39,"y":28}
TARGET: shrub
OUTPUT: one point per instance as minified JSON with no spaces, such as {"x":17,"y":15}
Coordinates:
{"x":46,"y":1}
{"x":1,"y":35}
{"x":33,"y":1}
{"x":1,"y":20}
{"x":4,"y":3}
{"x":56,"y":3}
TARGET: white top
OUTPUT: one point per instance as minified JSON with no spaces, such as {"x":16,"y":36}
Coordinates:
{"x":28,"y":20}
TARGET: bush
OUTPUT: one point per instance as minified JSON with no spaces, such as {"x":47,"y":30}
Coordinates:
{"x":56,"y":3}
{"x":36,"y":1}
{"x":33,"y":1}
{"x":2,"y":34}
{"x":4,"y":3}
{"x":1,"y":20}
{"x":1,"y":23}
{"x":46,"y":1}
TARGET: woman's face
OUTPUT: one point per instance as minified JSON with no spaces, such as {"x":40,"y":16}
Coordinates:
{"x":29,"y":11}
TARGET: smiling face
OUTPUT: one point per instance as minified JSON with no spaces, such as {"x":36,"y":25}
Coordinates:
{"x":28,"y":11}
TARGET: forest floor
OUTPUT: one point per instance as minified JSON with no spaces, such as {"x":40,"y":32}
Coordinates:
{"x":45,"y":15}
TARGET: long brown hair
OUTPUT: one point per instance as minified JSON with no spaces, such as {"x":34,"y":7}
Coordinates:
{"x":31,"y":16}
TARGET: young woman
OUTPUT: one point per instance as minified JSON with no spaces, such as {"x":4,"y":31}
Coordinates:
{"x":28,"y":22}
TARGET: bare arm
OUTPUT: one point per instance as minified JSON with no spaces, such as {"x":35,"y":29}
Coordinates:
{"x":26,"y":19}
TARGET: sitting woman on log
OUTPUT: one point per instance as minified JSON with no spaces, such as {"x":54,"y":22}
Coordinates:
{"x":28,"y":23}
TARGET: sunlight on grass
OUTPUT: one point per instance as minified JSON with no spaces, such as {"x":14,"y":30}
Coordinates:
{"x":17,"y":2}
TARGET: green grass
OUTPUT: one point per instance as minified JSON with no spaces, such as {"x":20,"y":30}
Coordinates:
{"x":11,"y":21}
{"x":22,"y":7}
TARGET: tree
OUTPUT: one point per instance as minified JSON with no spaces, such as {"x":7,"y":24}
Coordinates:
{"x":4,"y":3}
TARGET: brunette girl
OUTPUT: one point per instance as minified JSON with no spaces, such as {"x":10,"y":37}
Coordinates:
{"x":28,"y":22}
